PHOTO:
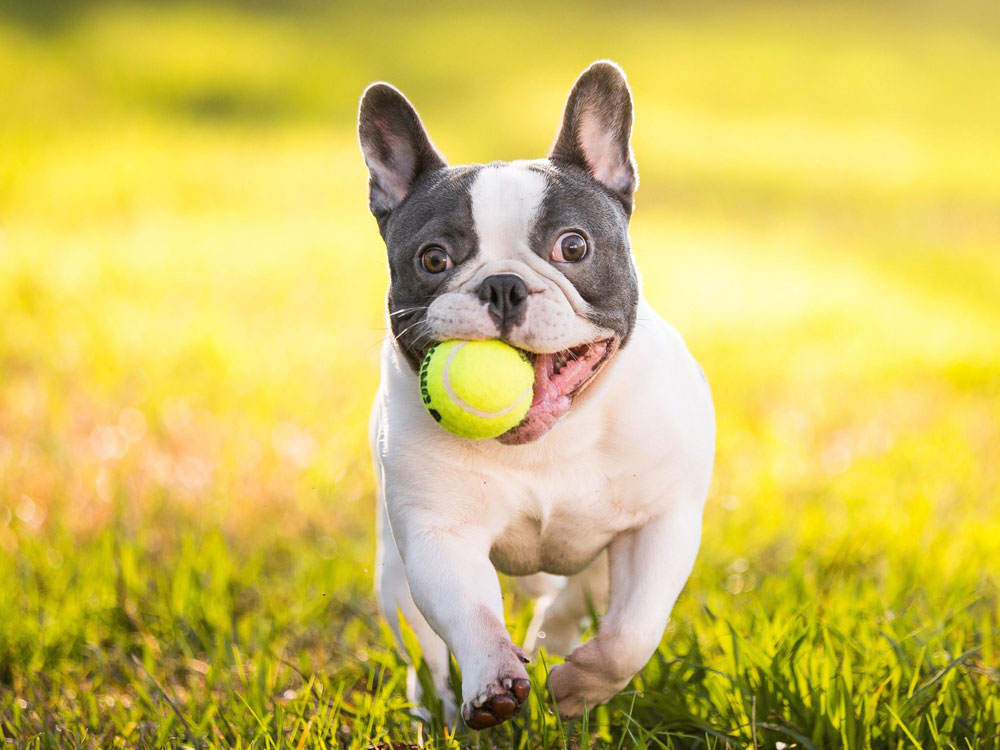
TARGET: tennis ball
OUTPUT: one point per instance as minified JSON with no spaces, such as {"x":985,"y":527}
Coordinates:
{"x":476,"y":389}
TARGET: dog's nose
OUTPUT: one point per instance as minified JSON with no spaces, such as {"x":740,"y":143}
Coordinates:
{"x":504,"y":295}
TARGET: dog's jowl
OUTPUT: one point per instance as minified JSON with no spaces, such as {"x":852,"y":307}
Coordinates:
{"x":597,"y":495}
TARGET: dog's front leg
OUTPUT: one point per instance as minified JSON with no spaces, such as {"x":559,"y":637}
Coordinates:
{"x":455,"y":586}
{"x":648,"y":568}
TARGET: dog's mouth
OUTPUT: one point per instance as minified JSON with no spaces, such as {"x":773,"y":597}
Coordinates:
{"x":559,"y":378}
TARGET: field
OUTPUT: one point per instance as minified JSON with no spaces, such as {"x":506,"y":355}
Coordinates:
{"x":191,"y":294}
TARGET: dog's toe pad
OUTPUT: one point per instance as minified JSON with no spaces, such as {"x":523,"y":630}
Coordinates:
{"x":498,"y":707}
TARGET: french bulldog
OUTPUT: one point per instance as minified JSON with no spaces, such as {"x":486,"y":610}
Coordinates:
{"x":595,"y":499}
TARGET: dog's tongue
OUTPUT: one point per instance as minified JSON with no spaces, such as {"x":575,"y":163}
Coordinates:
{"x":554,"y":390}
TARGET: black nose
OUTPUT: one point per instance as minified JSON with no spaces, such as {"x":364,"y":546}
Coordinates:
{"x":504,"y":295}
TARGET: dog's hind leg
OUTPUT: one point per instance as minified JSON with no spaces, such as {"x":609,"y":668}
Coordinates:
{"x":563,"y":605}
{"x":394,"y":601}
{"x":648,"y":567}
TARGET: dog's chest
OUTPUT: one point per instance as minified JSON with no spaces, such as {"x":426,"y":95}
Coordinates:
{"x":560,"y":523}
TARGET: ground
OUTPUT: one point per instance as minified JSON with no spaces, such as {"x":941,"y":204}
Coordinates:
{"x":190,"y":315}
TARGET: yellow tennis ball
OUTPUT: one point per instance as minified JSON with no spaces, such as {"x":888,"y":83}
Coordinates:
{"x":476,"y":389}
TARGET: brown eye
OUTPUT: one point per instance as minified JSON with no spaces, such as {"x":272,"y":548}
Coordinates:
{"x":435,"y":260}
{"x":569,"y":248}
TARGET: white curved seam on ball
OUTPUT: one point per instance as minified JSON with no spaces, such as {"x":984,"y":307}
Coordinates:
{"x":468,"y":407}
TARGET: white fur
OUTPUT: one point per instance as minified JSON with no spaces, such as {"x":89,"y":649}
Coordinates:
{"x":506,"y":200}
{"x":625,"y":472}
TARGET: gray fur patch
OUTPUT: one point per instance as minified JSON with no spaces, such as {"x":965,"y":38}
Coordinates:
{"x":606,"y":278}
{"x":437,"y":211}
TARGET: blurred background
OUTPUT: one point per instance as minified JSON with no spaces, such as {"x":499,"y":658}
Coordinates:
{"x":191,"y":293}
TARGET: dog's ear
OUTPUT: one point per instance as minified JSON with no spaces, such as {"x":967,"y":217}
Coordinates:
{"x":596,"y":130}
{"x":396,"y":148}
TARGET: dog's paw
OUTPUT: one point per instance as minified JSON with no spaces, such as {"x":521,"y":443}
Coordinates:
{"x":497,"y":702}
{"x":585,"y":681}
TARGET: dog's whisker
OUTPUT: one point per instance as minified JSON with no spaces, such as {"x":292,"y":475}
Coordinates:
{"x":410,"y":328}
{"x":408,"y":310}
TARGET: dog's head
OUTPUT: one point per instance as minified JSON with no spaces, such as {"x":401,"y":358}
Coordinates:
{"x":535,"y":253}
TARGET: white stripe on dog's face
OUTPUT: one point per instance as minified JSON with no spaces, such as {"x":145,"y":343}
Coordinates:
{"x":506,"y":201}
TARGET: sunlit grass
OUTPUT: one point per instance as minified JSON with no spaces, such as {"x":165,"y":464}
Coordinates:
{"x":190,"y":314}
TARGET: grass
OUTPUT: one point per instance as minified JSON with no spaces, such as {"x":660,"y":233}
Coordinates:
{"x":190,"y":291}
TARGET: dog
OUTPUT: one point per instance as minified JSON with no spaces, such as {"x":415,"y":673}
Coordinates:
{"x":595,"y":499}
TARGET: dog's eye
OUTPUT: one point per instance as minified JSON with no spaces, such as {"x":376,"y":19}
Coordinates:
{"x":435,"y":260}
{"x":569,"y":248}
